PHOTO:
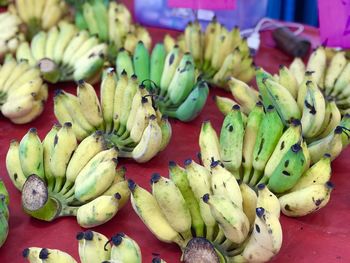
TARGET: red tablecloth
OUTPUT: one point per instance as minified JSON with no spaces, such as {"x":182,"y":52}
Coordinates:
{"x":322,"y":237}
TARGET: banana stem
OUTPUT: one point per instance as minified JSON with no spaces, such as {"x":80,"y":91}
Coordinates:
{"x":226,"y":244}
{"x":69,"y":191}
{"x":58,"y":184}
{"x":121,"y":130}
{"x":125,"y":135}
{"x":210,"y":233}
{"x":219,"y":237}
{"x":263,"y":180}
{"x":68,"y":211}
{"x":187,"y":235}
{"x":246,"y":175}
{"x":256,"y":176}
{"x":50,"y":183}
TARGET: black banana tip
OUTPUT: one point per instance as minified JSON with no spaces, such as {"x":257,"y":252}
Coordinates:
{"x":264,"y":80}
{"x":44,"y":253}
{"x":88,"y":235}
{"x":140,"y":42}
{"x":206,"y":198}
{"x":309,"y":73}
{"x":152,"y":117}
{"x":270,"y":108}
{"x":124,"y":73}
{"x":67,"y":124}
{"x":236,"y":107}
{"x":115,"y":160}
{"x":80,"y":236}
{"x":122,"y":49}
{"x":261,"y":186}
{"x":156,"y":260}
{"x":338,"y":130}
{"x":329,"y":185}
{"x":172,"y":164}
{"x":296,"y":122}
{"x":25,"y":252}
{"x":259,"y":103}
{"x":117,"y":196}
{"x":309,"y":82}
{"x":281,"y":66}
{"x":133,"y":77}
{"x":81,"y":82}
{"x":117,"y":240}
{"x":214,"y":164}
{"x":296,"y":147}
{"x":58,"y":92}
{"x":188,"y":162}
{"x":122,"y":234}
{"x":155,"y":178}
{"x":144,"y":100}
{"x":260,"y":211}
{"x":327,"y":155}
{"x":347,"y":115}
{"x":33,"y":130}
{"x":99,"y":133}
{"x":132,"y":185}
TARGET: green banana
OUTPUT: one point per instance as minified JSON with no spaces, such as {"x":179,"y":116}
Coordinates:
{"x":141,"y":62}
{"x":124,"y":63}
{"x":157,"y":63}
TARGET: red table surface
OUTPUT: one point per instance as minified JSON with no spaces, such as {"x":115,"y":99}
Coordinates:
{"x":321,"y":237}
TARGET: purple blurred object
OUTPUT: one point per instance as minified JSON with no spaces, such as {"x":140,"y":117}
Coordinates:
{"x":334,"y":19}
{"x":159,"y":13}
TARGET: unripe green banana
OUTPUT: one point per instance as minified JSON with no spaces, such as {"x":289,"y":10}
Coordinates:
{"x":166,"y":132}
{"x":98,"y":211}
{"x":124,"y":63}
{"x":101,"y":15}
{"x":172,"y":204}
{"x":209,"y":144}
{"x":288,"y":171}
{"x":31,"y":154}
{"x":231,"y":141}
{"x":261,"y":75}
{"x":141,"y":62}
{"x":157,"y":63}
{"x":125,"y":249}
{"x":306,"y":200}
{"x":250,"y":134}
{"x":93,"y":247}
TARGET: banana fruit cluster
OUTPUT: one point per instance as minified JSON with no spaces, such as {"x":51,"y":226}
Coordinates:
{"x":125,"y":113}
{"x":22,"y":91}
{"x":9,"y":35}
{"x":59,"y":177}
{"x":259,"y":150}
{"x":112,"y":23}
{"x":39,"y":15}
{"x":64,"y":53}
{"x":4,"y":213}
{"x":218,"y":53}
{"x":169,"y":76}
{"x":209,"y":215}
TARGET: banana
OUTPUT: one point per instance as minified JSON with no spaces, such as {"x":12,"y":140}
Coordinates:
{"x":83,"y":50}
{"x":53,"y":11}
{"x":224,"y":104}
{"x":291,"y":136}
{"x":37,"y":109}
{"x":319,"y":173}
{"x":230,"y":64}
{"x":74,"y":45}
{"x":331,"y":144}
{"x":140,"y":118}
{"x":231,"y":219}
{"x":141,"y":62}
{"x":282,"y":100}
{"x":342,"y":81}
{"x":123,"y":190}
{"x":16,"y":73}
{"x":179,"y":176}
{"x":249,"y":199}
{"x":27,"y":89}
{"x":124,"y":63}
{"x":64,"y":145}
{"x":166,"y":132}
{"x":48,"y":255}
{"x":225,"y":184}
{"x":183,"y":80}
{"x":262,"y":75}
{"x":244,"y":95}
{"x":66,"y":33}
{"x":85,"y":151}
{"x":120,"y":89}
{"x":13,"y":165}
{"x":270,"y":131}
{"x":231,"y":141}
{"x":306,"y":200}
{"x":297,"y":68}
{"x":92,"y":247}
{"x":157,"y":63}
{"x":150,"y":142}
{"x":32,"y":254}
{"x":171,"y":63}
{"x":19,"y":107}
{"x":288,"y":170}
{"x":268,"y":200}
{"x":100,"y":13}
{"x":266,"y":238}
{"x":288,"y":80}
{"x":90,"y":18}
{"x":331,"y":120}
{"x":147,"y":208}
{"x":317,"y":63}
{"x":24,"y":53}
{"x":209,"y":144}
{"x":335,"y":68}
{"x":303,"y":89}
{"x":250,"y":135}
{"x":199,"y":181}
{"x":38,"y":44}
{"x":172,"y":204}
{"x":125,"y":249}
{"x":6,"y":71}
{"x":94,"y":179}
{"x":98,"y":211}
{"x":31,"y":154}
{"x":314,"y":111}
{"x":90,"y":104}
{"x":128,"y":95}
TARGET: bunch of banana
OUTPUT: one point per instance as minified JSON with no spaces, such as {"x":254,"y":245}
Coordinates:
{"x":111,"y":22}
{"x":46,"y":255}
{"x":209,"y":215}
{"x":9,"y":34}
{"x":125,"y":113}
{"x":261,"y":151}
{"x":4,"y":213}
{"x":39,"y":15}
{"x":218,"y":52}
{"x":59,"y":177}
{"x":22,"y":91}
{"x":169,"y":77}
{"x":65,"y":53}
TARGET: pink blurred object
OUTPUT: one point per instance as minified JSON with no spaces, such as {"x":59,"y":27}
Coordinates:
{"x":203,"y":4}
{"x":334,"y":17}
